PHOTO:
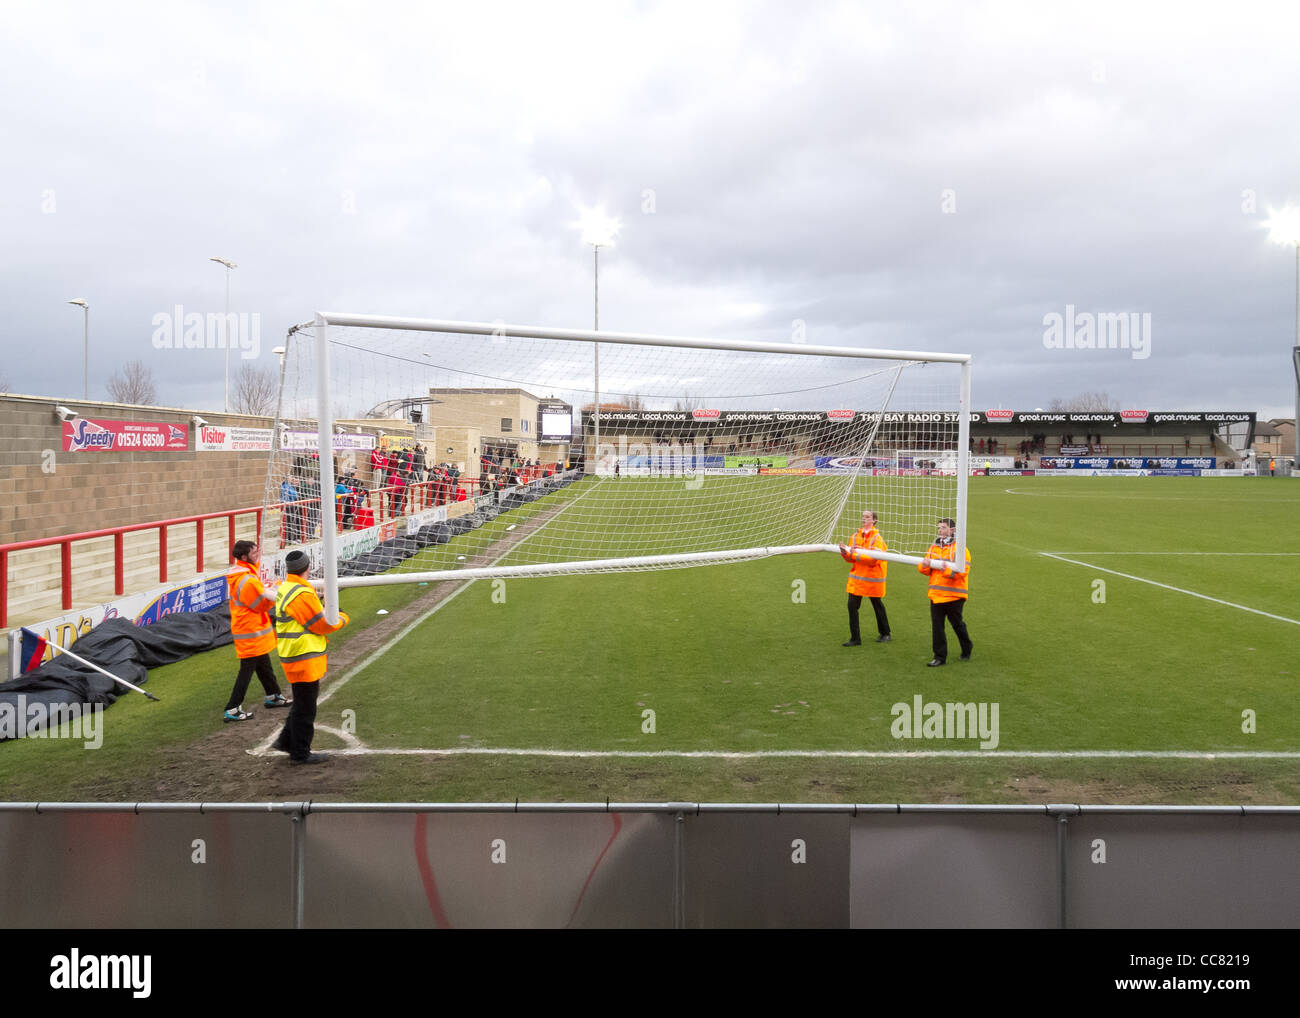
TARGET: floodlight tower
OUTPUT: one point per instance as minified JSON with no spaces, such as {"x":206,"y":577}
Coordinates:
{"x":1284,"y":228}
{"x":598,"y":230}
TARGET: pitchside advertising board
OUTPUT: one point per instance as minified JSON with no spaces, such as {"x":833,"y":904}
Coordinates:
{"x":198,"y":595}
{"x":1128,"y":462}
{"x":218,"y":438}
{"x":1166,"y":417}
{"x":342,"y":441}
{"x":85,"y":435}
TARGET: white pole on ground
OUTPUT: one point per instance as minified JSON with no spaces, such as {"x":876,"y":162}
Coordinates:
{"x":91,"y":664}
{"x":325,"y":438}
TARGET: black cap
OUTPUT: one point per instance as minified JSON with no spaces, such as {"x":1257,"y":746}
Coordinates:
{"x":297,"y":563}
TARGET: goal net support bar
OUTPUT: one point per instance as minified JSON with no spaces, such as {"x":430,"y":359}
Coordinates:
{"x":638,"y":562}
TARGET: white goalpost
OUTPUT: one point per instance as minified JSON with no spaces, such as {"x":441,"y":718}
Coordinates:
{"x":462,"y":450}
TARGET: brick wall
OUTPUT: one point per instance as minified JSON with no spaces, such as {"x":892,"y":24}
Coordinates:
{"x":45,"y":492}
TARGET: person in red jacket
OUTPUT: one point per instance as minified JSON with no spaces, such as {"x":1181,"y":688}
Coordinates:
{"x":250,"y":624}
{"x":948,"y":592}
{"x":867,"y":579}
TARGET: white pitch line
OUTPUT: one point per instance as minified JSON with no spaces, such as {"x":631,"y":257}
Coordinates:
{"x":1166,"y":586}
{"x":847,"y":754}
{"x":1176,"y":554}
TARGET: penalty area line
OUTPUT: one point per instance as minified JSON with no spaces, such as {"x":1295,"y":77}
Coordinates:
{"x":822,"y":754}
{"x":1166,"y":586}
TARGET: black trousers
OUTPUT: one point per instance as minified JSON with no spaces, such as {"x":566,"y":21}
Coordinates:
{"x":300,"y":726}
{"x":265,"y":674}
{"x":950,"y":610}
{"x":878,"y":605}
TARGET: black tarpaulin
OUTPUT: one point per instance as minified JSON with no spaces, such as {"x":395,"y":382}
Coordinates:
{"x":123,"y":648}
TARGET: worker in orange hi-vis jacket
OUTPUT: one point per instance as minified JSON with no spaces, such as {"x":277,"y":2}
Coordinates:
{"x":948,"y":593}
{"x":250,"y":624}
{"x":867,"y":579}
{"x":302,"y":639}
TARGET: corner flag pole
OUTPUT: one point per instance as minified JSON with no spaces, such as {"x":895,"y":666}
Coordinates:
{"x":91,"y":664}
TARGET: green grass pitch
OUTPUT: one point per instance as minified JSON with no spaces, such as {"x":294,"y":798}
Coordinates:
{"x":1113,"y":679}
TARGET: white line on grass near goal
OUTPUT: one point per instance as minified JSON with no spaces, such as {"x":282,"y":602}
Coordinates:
{"x":1166,"y":586}
{"x":265,"y":747}
{"x":848,"y":754}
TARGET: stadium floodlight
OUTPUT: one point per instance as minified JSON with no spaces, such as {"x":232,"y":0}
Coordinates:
{"x":1284,"y":228}
{"x":225,"y":326}
{"x":598,"y":230}
{"x":85,"y":362}
{"x":65,"y":413}
{"x":724,"y":482}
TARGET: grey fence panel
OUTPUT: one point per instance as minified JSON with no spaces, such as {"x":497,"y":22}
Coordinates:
{"x":1184,"y":871}
{"x":923,"y":870}
{"x":473,"y":870}
{"x":759,"y":871}
{"x":122,"y":870}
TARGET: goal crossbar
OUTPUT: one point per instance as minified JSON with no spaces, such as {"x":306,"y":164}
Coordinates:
{"x":628,"y":338}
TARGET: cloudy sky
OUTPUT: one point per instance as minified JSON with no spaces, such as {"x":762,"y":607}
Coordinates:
{"x":942,"y":177}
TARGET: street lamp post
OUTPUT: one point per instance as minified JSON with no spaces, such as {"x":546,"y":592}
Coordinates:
{"x":1284,"y":228}
{"x":225,"y":323}
{"x":85,"y":361}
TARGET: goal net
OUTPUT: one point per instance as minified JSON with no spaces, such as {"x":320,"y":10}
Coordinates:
{"x":460,"y":450}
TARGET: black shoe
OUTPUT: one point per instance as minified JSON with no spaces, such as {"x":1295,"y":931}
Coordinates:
{"x":936,"y":663}
{"x":310,"y":758}
{"x":885,"y":638}
{"x":851,"y":643}
{"x":966,"y":656}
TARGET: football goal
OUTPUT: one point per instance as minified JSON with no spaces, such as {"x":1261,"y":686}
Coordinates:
{"x":460,"y":450}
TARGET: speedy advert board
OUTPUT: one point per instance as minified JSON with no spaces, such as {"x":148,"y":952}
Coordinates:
{"x":85,"y":435}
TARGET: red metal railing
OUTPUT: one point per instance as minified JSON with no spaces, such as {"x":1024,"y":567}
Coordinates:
{"x":65,"y":542}
{"x":408,"y":498}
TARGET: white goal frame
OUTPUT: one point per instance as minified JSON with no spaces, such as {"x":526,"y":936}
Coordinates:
{"x":329,"y":538}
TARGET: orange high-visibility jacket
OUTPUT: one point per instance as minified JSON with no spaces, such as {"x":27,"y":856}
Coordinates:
{"x":301,"y":631}
{"x":945,"y":585}
{"x":868,"y":576}
{"x":250,"y":612}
